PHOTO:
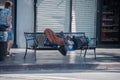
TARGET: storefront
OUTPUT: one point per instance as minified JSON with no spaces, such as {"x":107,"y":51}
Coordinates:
{"x":110,"y":22}
{"x":97,"y":18}
{"x":66,"y":16}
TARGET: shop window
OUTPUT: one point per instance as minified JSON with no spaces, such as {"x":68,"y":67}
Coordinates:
{"x":110,"y":21}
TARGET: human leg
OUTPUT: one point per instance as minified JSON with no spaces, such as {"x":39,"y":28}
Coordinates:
{"x":10,"y":41}
{"x":10,"y":44}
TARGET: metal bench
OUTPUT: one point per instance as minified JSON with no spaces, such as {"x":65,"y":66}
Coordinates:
{"x":35,"y":41}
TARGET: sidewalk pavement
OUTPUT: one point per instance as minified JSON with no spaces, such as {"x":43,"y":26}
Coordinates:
{"x":107,"y":59}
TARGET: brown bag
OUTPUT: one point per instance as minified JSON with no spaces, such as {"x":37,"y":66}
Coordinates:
{"x":53,"y":38}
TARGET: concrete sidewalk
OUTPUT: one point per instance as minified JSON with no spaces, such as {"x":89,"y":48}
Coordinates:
{"x":52,"y":59}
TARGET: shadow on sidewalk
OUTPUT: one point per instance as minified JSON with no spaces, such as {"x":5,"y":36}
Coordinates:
{"x":54,"y":60}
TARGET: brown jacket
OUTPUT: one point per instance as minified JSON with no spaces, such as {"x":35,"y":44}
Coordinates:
{"x":53,"y":38}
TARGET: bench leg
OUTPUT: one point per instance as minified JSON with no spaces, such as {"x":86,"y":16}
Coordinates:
{"x":95,"y":53}
{"x":80,"y":52}
{"x":85,"y":52}
{"x":25,"y":53}
{"x":35,"y":54}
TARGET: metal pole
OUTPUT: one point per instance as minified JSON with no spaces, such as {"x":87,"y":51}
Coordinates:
{"x":70,"y":16}
{"x":35,"y":9}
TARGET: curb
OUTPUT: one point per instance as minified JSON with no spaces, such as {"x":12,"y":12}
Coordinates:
{"x":82,"y":66}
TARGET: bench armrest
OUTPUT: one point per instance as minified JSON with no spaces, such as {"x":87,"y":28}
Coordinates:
{"x":93,"y":42}
{"x":31,"y":41}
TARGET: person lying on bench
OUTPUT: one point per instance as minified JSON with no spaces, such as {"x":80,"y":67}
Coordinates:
{"x":57,"y":40}
{"x":66,"y":43}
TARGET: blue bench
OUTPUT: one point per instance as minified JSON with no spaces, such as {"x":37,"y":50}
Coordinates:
{"x":35,"y":41}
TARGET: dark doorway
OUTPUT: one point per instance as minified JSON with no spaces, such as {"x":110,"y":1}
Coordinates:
{"x":110,"y":23}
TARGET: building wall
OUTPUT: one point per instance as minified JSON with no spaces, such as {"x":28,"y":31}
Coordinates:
{"x":25,"y":20}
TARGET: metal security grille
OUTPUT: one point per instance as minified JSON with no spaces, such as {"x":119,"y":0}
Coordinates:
{"x":54,"y":14}
{"x":84,"y":16}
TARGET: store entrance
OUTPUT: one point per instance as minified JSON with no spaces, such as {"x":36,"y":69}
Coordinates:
{"x":110,"y":29}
